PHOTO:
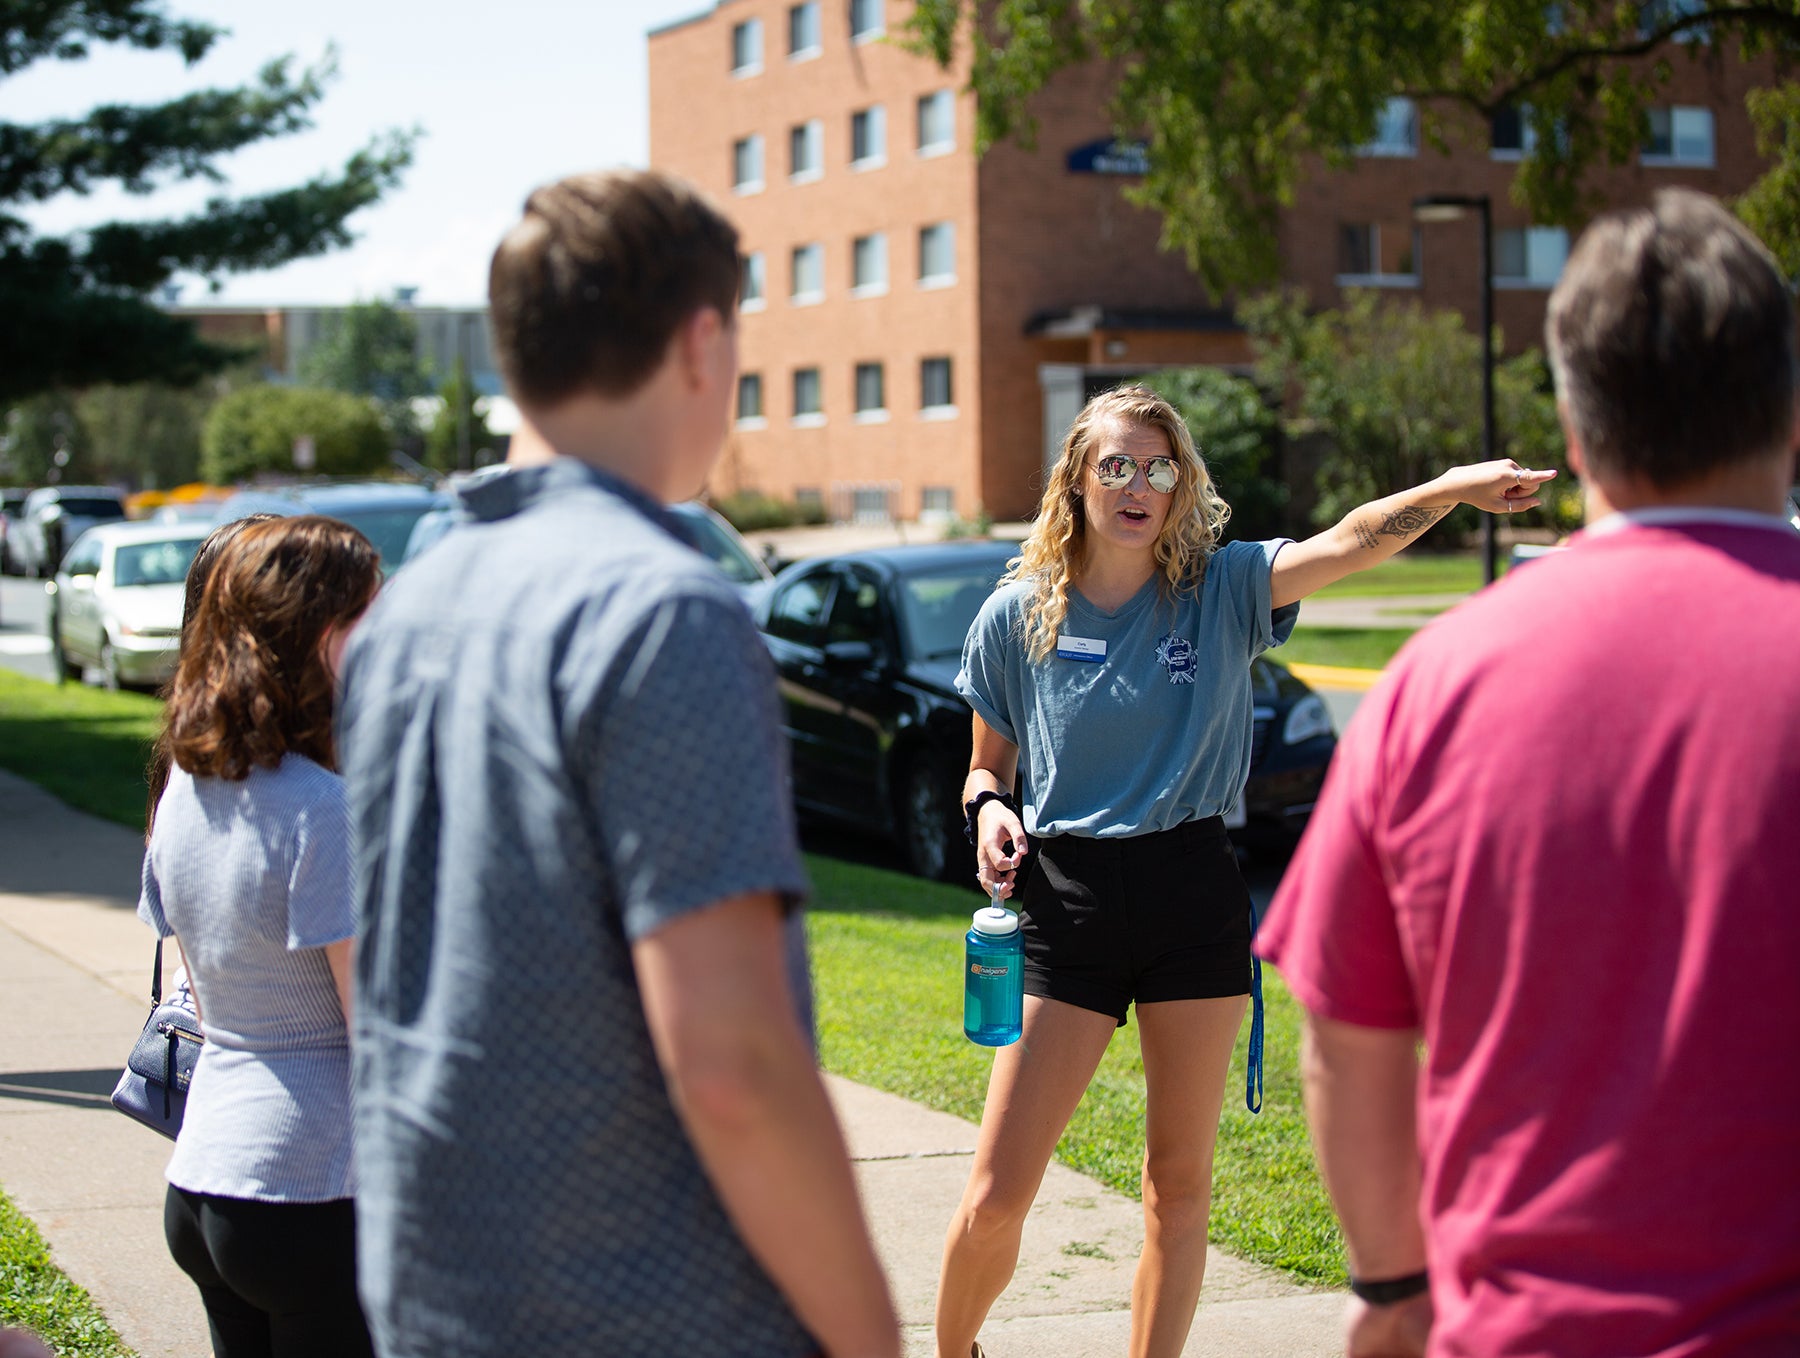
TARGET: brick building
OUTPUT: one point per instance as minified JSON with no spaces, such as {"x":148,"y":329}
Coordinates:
{"x":920,"y":326}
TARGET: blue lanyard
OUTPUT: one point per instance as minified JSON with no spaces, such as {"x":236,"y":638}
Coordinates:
{"x":1253,"y":1065}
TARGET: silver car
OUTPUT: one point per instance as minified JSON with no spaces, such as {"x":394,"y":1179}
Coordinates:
{"x":115,"y":604}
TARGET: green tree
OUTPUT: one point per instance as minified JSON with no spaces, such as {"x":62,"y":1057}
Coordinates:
{"x":43,"y":440}
{"x":1236,"y":99}
{"x":460,"y":433}
{"x":147,"y":433}
{"x":1397,"y":392}
{"x":256,"y":430}
{"x":76,"y":306}
{"x":372,"y":349}
{"x":1238,"y":435}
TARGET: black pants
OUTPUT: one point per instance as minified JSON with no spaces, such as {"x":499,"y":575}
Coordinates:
{"x":278,"y":1278}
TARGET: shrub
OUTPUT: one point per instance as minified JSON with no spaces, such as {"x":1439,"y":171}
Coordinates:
{"x":254,"y":430}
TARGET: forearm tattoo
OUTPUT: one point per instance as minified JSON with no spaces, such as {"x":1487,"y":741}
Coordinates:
{"x":1406,"y":522}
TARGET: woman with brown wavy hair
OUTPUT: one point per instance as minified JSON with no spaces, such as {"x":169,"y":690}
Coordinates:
{"x":249,"y":869}
{"x":1112,"y":667}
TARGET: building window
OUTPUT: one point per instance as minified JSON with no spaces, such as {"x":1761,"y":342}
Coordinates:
{"x":806,"y":152}
{"x":937,"y":502}
{"x":869,"y":265}
{"x":808,"y":283}
{"x":871,"y":390}
{"x":750,"y":400}
{"x":803,"y":31}
{"x":1529,"y":256}
{"x":746,"y":47}
{"x":866,"y":21}
{"x":935,"y":393}
{"x":871,"y":504}
{"x":1396,"y":130}
{"x":1360,"y":263}
{"x":937,"y":254}
{"x":868,"y":138}
{"x":1513,"y":135}
{"x":937,"y":123}
{"x":810,"y":498}
{"x":806,"y":396}
{"x":747,"y":164}
{"x":1679,"y":136}
{"x":755,"y":283}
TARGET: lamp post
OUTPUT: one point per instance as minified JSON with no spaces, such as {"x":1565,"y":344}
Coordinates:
{"x":1446,"y":207}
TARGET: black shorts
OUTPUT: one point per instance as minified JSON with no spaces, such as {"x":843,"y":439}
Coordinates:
{"x":1109,"y":922}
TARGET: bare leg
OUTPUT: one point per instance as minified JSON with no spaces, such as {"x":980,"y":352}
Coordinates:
{"x":1187,"y":1051}
{"x":1032,"y":1093}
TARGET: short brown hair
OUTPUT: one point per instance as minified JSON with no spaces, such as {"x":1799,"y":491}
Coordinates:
{"x":253,"y":685}
{"x":1671,"y":335}
{"x":586,"y":292}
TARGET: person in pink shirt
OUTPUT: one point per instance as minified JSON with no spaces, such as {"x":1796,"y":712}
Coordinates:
{"x":1558,"y":847}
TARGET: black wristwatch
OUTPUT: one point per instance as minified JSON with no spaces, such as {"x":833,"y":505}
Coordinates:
{"x":972,"y":809}
{"x":1389,"y":1291}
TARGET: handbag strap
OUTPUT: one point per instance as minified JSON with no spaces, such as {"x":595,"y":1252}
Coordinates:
{"x":156,"y":976}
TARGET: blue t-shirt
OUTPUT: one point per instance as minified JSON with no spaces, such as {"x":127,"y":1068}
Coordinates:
{"x":560,"y":734}
{"x":1141,"y":719}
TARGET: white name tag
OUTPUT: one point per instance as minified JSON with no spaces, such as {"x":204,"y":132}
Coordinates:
{"x":1080,"y":648}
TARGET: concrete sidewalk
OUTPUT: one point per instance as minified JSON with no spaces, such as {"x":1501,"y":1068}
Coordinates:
{"x":74,"y":963}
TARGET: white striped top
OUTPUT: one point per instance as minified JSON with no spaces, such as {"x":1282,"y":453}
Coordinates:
{"x":254,"y":877}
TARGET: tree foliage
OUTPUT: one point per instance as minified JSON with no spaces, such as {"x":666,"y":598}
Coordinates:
{"x":254,"y":430}
{"x":1397,"y":392}
{"x":1235,"y":99}
{"x":372,"y":349}
{"x":76,"y":307}
{"x":459,"y":436}
{"x":1239,"y":436}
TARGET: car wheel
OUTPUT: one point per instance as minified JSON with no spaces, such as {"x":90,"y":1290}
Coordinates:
{"x":931,"y":832}
{"x":109,"y":667}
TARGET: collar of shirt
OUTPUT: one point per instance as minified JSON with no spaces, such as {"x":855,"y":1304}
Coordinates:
{"x":519,"y":488}
{"x":1665,"y":516}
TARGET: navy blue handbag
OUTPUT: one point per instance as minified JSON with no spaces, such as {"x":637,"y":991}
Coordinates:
{"x":154,"y":1087}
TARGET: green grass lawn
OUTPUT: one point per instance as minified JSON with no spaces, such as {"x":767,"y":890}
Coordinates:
{"x":1363,"y":648}
{"x":887,"y":954}
{"x":37,"y":1296}
{"x":1412,"y":572}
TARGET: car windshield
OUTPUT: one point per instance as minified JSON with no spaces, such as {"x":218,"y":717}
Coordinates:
{"x":388,"y":529}
{"x":937,"y":607}
{"x":93,"y":509}
{"x":154,"y":563}
{"x":714,"y":543}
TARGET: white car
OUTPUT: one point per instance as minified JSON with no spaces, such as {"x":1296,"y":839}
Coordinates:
{"x":116,"y":602}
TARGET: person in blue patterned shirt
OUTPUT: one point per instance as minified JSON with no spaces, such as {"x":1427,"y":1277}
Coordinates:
{"x":587,"y":1115}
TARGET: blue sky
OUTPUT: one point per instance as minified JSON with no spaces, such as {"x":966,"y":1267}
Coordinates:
{"x":509,"y":96}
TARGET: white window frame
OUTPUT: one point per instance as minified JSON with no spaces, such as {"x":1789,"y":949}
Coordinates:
{"x":876,"y":30}
{"x":946,"y":495}
{"x":946,"y":411}
{"x":1691,"y":114}
{"x":1527,"y":138}
{"x":798,"y":295}
{"x":871,"y":249}
{"x":945,"y":144}
{"x":754,"y":145}
{"x":874,"y":117}
{"x":809,"y":135}
{"x":1379,"y":278}
{"x":760,"y":420}
{"x":1541,"y":243}
{"x":753,"y":29}
{"x":808,"y":419}
{"x":942,"y":278}
{"x":876,"y":414}
{"x":816,"y":47}
{"x":1379,"y":145}
{"x":756,"y":283}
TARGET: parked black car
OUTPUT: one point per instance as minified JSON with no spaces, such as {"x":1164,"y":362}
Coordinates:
{"x":867,"y":646}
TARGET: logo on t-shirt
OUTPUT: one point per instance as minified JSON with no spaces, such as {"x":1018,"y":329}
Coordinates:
{"x":1176,"y":654}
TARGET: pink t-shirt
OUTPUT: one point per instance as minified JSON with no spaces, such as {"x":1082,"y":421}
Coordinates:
{"x":1562,"y":839}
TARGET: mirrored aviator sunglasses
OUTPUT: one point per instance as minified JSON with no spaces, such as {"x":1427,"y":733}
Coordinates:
{"x":1115,"y":471}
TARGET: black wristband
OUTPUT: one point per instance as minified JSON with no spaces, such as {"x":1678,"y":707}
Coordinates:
{"x":972,"y":809}
{"x":1388,"y":1291}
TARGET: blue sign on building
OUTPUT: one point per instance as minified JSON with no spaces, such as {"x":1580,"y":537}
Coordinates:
{"x":1108,"y":156}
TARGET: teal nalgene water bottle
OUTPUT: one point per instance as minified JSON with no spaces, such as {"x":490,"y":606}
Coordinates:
{"x":993,"y":978}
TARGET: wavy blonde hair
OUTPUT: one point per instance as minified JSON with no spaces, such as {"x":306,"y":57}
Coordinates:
{"x":1053,"y":551}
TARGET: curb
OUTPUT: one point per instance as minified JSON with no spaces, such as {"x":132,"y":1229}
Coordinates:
{"x":1335,"y":676}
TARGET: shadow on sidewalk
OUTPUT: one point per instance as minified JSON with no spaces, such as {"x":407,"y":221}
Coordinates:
{"x":68,"y":1088}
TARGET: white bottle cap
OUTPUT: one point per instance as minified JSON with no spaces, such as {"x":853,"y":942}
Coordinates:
{"x":995,"y":919}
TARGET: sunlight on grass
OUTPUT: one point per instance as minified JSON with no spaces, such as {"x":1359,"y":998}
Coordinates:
{"x":1412,"y":572}
{"x":37,"y":1296}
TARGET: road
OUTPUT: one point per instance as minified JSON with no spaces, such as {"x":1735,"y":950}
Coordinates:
{"x":23,"y":646}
